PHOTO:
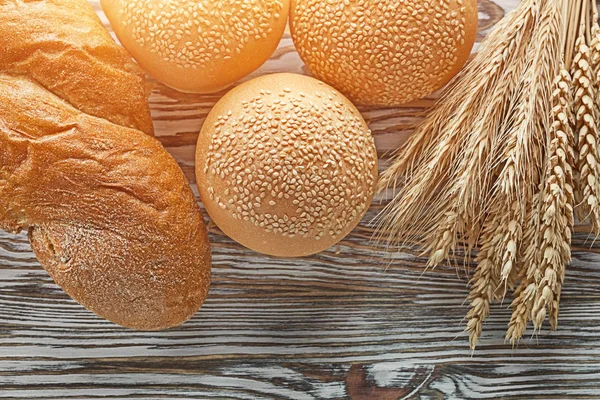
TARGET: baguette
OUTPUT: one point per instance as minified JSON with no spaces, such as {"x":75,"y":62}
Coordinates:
{"x":109,"y":212}
{"x":63,"y":46}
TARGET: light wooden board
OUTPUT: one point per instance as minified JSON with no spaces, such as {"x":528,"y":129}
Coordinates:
{"x":333,"y":326}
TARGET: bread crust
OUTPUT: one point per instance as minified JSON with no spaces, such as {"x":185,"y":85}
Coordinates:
{"x":110,"y":214}
{"x":63,"y":46}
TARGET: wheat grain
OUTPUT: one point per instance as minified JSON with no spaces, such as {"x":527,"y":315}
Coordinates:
{"x":443,"y":244}
{"x":509,"y":248}
{"x":522,"y":305}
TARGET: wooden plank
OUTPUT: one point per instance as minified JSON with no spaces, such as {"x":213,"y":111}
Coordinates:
{"x":332,"y":326}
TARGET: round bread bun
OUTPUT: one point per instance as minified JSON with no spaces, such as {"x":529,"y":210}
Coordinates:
{"x":198,"y":46}
{"x":384,"y":52}
{"x":286,"y":165}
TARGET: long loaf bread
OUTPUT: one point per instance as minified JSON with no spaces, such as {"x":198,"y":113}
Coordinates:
{"x":110,"y":214}
{"x":62,"y":45}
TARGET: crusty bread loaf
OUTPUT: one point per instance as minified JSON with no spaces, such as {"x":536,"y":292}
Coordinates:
{"x":110,"y":214}
{"x":62,"y":45}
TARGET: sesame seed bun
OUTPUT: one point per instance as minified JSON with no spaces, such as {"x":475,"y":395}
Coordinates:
{"x":198,"y":46}
{"x":384,"y":52}
{"x":286,"y":165}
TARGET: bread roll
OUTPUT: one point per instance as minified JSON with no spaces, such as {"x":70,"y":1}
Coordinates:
{"x":199,"y":46}
{"x":384,"y":52}
{"x":109,"y":212}
{"x":286,"y":165}
{"x":62,"y":45}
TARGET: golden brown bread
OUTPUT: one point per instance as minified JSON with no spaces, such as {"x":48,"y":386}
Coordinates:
{"x":110,"y":214}
{"x":199,"y":46}
{"x":384,"y":52}
{"x":286,"y":165}
{"x":62,"y":45}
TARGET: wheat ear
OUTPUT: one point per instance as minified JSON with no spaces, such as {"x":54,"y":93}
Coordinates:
{"x":560,"y":142}
{"x":525,"y":149}
{"x":526,"y":138}
{"x":586,"y":131}
{"x":557,"y":209}
{"x":485,"y":280}
{"x":524,"y":296}
{"x":473,"y":178}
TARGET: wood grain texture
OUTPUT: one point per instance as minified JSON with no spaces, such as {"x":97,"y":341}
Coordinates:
{"x":337,"y":325}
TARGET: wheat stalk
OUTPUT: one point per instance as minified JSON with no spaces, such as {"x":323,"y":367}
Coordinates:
{"x":595,"y":43}
{"x":595,"y":55}
{"x":505,"y":159}
{"x":425,"y":174}
{"x":525,"y":138}
{"x":594,"y":91}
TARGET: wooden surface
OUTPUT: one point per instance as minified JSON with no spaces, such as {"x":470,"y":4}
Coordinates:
{"x":333,"y":326}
